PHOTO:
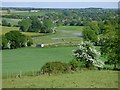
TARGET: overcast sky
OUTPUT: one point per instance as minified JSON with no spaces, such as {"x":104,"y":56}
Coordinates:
{"x":61,"y":3}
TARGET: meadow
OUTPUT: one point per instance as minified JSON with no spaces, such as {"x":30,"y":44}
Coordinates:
{"x":64,"y":34}
{"x":32,"y":59}
{"x":80,"y":79}
{"x":27,"y":61}
{"x":5,"y":29}
{"x":12,"y":21}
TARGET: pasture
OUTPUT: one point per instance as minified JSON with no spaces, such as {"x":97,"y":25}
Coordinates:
{"x":32,"y":59}
{"x":81,"y":79}
{"x":12,"y":21}
{"x":5,"y":29}
{"x":64,"y":34}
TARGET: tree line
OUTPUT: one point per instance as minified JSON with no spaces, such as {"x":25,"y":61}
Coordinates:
{"x":34,"y":24}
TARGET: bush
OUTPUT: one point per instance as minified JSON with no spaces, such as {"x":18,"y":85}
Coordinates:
{"x":54,"y":68}
{"x":88,"y":54}
{"x":75,"y":65}
{"x":29,"y":41}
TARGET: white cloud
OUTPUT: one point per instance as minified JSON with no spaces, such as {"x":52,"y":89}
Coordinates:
{"x":60,"y":0}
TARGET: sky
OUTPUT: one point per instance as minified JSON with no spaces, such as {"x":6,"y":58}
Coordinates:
{"x":60,"y":0}
{"x":60,"y":4}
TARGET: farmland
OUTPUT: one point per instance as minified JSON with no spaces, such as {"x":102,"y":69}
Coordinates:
{"x":66,"y":48}
{"x":81,"y":79}
{"x":39,"y":56}
{"x":32,"y":59}
{"x":12,"y":21}
{"x":64,"y":34}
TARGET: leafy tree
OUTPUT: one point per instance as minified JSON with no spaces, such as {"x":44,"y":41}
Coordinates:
{"x":16,"y":39}
{"x":47,"y":26}
{"x":35,"y":25}
{"x":24,"y":24}
{"x":87,"y":54}
{"x":111,"y":45}
{"x":89,"y":35}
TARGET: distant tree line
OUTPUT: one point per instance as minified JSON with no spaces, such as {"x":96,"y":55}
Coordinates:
{"x":69,"y":17}
{"x":33,"y":24}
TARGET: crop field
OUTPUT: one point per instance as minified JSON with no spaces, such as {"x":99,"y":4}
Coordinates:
{"x":32,"y":59}
{"x":81,"y":79}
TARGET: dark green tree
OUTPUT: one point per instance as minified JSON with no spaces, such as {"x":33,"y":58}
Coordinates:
{"x":16,"y":39}
{"x":47,"y":26}
{"x":35,"y":25}
{"x":24,"y":25}
{"x":89,"y":35}
{"x":4,"y":42}
{"x":111,"y":45}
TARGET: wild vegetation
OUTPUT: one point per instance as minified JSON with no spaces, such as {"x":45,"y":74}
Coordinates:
{"x":61,"y":42}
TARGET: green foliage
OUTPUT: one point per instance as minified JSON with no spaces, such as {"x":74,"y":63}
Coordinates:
{"x":47,"y":26}
{"x":35,"y":25}
{"x":24,"y":24}
{"x":87,"y":54}
{"x":29,"y":41}
{"x":54,"y":68}
{"x":4,"y":42}
{"x":111,"y":44}
{"x":75,"y":65}
{"x":16,"y":39}
{"x":89,"y":35}
{"x":5,"y":23}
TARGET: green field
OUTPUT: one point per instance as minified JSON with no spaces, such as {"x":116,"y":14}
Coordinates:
{"x":12,"y":21}
{"x":30,"y":59}
{"x":64,"y":34}
{"x":81,"y":79}
{"x":26,"y":13}
{"x":5,"y":29}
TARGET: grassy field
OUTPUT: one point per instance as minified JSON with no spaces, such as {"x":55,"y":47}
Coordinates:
{"x":30,"y":59}
{"x":64,"y":34}
{"x":81,"y":79}
{"x":6,"y":29}
{"x":12,"y":21}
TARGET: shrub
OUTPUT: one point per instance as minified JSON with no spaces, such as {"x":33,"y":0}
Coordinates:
{"x":87,"y":54}
{"x":54,"y":68}
{"x":74,"y":64}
